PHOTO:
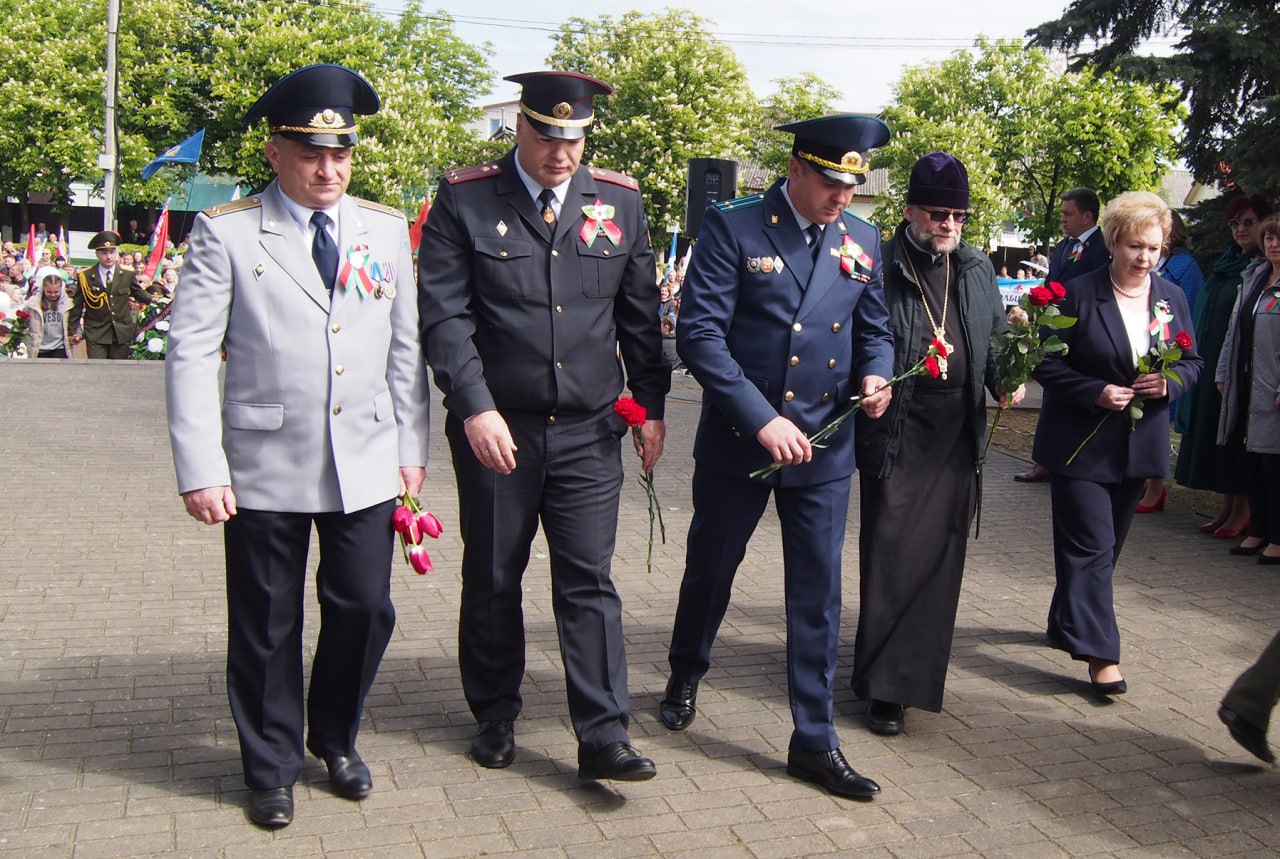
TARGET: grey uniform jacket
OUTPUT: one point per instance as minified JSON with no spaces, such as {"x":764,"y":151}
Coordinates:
{"x":323,"y":400}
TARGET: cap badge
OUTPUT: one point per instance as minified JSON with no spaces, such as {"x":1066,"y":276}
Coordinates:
{"x":851,"y":161}
{"x":563,"y":110}
{"x":599,"y":219}
{"x":327,"y":118}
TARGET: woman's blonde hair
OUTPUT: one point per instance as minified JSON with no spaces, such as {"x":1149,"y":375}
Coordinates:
{"x":1133,"y":211}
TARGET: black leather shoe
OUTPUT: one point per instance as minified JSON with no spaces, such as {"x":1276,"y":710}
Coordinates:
{"x":494,"y":746}
{"x":615,"y":761}
{"x":1247,"y":550}
{"x":1247,"y":734}
{"x":886,"y":718}
{"x":677,"y":705}
{"x":348,"y":776}
{"x":830,"y":770}
{"x":271,"y":807}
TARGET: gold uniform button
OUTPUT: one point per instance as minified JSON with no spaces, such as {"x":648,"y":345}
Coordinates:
{"x":555,"y":253}
{"x":797,"y":328}
{"x":795,"y":359}
{"x":502,"y":253}
{"x":789,"y":396}
{"x":337,"y":410}
{"x":559,"y":365}
{"x":339,"y":369}
{"x":835,"y":329}
{"x":606,"y":253}
{"x":832,"y":363}
{"x":551,"y":419}
{"x":335,"y":328}
{"x":559,"y":308}
{"x":825,"y":396}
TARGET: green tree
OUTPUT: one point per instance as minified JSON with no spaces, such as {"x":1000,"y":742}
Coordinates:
{"x":1225,"y":66}
{"x":804,"y":96}
{"x":679,"y":94}
{"x":1026,"y":134}
{"x":51,"y":97}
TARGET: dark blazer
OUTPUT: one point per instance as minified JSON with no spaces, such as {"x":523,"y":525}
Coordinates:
{"x":768,"y":332}
{"x":502,"y":333}
{"x":1094,"y":255}
{"x":103,"y":311}
{"x":1099,"y":355}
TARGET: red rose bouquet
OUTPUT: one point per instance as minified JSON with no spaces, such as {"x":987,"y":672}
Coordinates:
{"x":1020,"y":350}
{"x":412,"y":523}
{"x":1159,"y":360}
{"x":635,"y":415}
{"x":933,"y":363}
{"x":13,"y":334}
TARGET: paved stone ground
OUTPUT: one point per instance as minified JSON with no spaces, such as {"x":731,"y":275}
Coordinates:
{"x":115,"y":737}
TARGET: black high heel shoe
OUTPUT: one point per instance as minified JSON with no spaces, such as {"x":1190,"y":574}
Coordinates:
{"x":1115,"y":687}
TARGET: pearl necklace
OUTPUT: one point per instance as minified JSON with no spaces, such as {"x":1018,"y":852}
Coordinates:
{"x":1140,"y":292}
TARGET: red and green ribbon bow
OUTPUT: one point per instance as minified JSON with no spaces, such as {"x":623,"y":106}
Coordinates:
{"x":851,"y":252}
{"x":353,"y":265}
{"x":599,"y":217}
{"x":1160,"y":320}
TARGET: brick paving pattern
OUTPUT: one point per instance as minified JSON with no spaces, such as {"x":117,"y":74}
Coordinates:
{"x":115,"y":738}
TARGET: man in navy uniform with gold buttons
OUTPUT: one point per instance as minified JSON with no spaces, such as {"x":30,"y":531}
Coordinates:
{"x":321,"y":420}
{"x":535,"y":274}
{"x":783,"y":321}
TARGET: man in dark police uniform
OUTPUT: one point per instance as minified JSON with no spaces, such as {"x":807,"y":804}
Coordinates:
{"x":322,"y":419}
{"x":534,"y":272}
{"x":783,"y":321}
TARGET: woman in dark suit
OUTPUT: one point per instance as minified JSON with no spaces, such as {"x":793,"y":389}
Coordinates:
{"x":1124,"y":310}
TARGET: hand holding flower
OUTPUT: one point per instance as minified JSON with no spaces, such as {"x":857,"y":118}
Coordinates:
{"x":877,"y":393}
{"x":649,"y":443}
{"x":1115,"y":398}
{"x":784,"y":441}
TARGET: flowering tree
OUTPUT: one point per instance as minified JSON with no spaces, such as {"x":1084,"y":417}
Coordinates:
{"x":678,"y":95}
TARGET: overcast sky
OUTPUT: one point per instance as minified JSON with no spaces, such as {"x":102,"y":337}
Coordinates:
{"x":860,"y":48}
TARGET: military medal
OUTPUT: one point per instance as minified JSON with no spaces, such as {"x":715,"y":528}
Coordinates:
{"x":766,"y":264}
{"x":502,"y":227}
{"x":753,"y":264}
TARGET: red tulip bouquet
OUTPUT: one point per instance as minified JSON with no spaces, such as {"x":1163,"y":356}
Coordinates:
{"x":412,"y":523}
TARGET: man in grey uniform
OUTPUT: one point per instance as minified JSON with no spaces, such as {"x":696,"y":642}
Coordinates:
{"x":322,"y":418}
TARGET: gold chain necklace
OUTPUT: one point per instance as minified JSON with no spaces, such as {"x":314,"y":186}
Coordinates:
{"x":939,"y":331}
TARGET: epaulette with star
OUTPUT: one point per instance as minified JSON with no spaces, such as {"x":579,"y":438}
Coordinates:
{"x":613,"y":177}
{"x":477,"y":171}
{"x":233,"y":206}
{"x":378,"y":207}
{"x":740,"y":203}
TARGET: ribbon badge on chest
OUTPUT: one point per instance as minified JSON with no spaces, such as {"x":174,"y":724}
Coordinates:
{"x":1161,"y":317}
{"x":354,"y":268}
{"x":599,"y":217}
{"x":851,"y":256}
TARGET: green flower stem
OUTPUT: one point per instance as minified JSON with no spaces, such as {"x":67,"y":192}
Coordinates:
{"x":1073,"y":456}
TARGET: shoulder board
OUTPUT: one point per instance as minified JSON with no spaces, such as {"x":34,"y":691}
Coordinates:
{"x":740,"y":203}
{"x":614,"y":177}
{"x":477,"y":171}
{"x":378,"y":207}
{"x":852,"y":214}
{"x":233,"y":206}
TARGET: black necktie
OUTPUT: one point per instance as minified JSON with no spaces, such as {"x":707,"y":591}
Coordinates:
{"x":813,"y":235}
{"x":545,"y":200}
{"x":324,"y":251}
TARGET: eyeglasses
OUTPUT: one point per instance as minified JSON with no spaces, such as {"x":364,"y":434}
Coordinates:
{"x":941,"y":217}
{"x":1236,"y":223}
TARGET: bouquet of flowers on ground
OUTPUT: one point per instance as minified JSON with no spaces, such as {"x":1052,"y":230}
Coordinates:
{"x":635,"y":415}
{"x":1020,"y":350}
{"x":14,"y":329}
{"x":934,"y":363}
{"x":151,"y":343}
{"x":1160,"y":360}
{"x":411,"y":522}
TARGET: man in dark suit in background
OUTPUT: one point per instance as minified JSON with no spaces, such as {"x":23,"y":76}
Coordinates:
{"x":534,"y":272}
{"x":1080,"y":252}
{"x":100,"y":311}
{"x":783,"y":320}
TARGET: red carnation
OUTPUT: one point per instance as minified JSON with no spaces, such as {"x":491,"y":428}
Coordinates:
{"x":939,"y":347}
{"x":630,"y":411}
{"x":1058,"y":290}
{"x":1040,"y":297}
{"x":931,"y":364}
{"x":1183,"y":340}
